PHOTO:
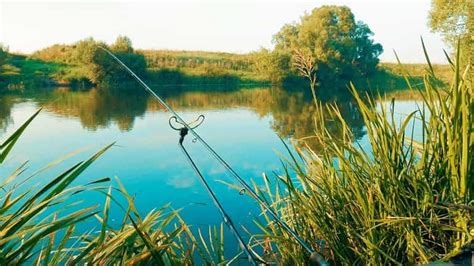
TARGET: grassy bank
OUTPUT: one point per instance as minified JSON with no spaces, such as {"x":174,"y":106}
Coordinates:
{"x":27,"y":71}
{"x":55,"y":66}
{"x":406,"y":199}
{"x":402,"y":201}
{"x":22,"y":71}
{"x":199,"y":63}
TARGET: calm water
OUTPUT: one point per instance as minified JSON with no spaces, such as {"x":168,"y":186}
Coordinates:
{"x":244,"y":126}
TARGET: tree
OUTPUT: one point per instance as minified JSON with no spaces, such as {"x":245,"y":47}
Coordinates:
{"x":451,"y":18}
{"x":122,"y":44}
{"x":3,"y":54}
{"x":83,"y":53}
{"x":340,"y":47}
{"x":84,"y":50}
{"x":103,"y":70}
{"x":272,"y":66}
{"x":109,"y":72}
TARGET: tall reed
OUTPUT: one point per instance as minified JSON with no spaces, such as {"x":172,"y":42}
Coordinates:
{"x":38,"y":225}
{"x":403,"y":201}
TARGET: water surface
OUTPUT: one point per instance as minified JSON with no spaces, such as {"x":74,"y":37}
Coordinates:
{"x":244,"y":126}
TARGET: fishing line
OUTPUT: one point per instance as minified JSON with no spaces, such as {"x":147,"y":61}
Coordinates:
{"x":314,"y":256}
{"x":183,"y":131}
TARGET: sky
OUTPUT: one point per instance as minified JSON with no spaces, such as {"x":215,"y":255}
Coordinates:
{"x":210,"y":25}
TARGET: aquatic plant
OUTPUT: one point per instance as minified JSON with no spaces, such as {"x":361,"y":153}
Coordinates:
{"x":402,"y":201}
{"x":39,"y":224}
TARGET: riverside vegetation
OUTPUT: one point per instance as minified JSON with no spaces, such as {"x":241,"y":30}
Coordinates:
{"x":406,"y":200}
{"x":342,"y":51}
{"x":403,"y":201}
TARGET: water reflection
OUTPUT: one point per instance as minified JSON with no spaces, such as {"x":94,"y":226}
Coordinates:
{"x":95,"y":108}
{"x":6,"y":104}
{"x":241,"y":125}
{"x":292,"y":112}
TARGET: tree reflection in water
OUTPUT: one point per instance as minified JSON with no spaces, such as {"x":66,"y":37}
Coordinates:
{"x":6,"y":104}
{"x":292,"y":112}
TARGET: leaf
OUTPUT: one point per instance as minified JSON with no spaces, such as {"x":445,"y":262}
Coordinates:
{"x":7,"y":146}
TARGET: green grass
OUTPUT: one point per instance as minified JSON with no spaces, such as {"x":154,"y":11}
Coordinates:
{"x":391,"y":77}
{"x":442,"y":71}
{"x":403,"y":201}
{"x":38,"y":225}
{"x":200,"y":63}
{"x":24,"y":71}
{"x":45,"y":70}
{"x":54,"y":66}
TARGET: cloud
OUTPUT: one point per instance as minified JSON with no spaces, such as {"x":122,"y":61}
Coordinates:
{"x":181,"y":181}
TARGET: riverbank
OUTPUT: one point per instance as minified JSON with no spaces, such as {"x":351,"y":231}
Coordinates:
{"x":398,"y":169}
{"x":190,"y":67}
{"x":22,"y":71}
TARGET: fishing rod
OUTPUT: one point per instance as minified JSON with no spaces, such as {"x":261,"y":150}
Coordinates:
{"x":183,"y":131}
{"x":314,"y":256}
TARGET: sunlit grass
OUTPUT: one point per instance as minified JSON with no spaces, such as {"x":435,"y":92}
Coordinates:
{"x":403,"y":201}
{"x":40,"y":224}
{"x":56,"y":64}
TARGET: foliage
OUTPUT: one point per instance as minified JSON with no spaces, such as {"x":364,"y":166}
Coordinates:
{"x":272,"y":65}
{"x":122,"y":44}
{"x":453,"y":19}
{"x":39,"y":224}
{"x":339,"y":47}
{"x":93,"y":63}
{"x":403,"y":201}
{"x":186,"y":67}
{"x":415,"y":72}
{"x":21,"y":71}
{"x":71,"y":64}
{"x":194,"y":59}
{"x":59,"y":53}
{"x":3,"y":55}
{"x":212,"y":248}
{"x":153,"y":239}
{"x":23,"y":223}
{"x":205,"y":64}
{"x":109,"y":72}
{"x":104,"y":70}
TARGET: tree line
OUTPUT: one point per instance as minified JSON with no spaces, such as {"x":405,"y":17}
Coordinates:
{"x":95,"y":64}
{"x":158,"y":59}
{"x":339,"y":47}
{"x":327,"y":45}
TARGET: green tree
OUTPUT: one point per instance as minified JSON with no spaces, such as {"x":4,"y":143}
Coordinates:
{"x":100,"y":68}
{"x":3,"y":54}
{"x":84,"y":50}
{"x":109,"y":72}
{"x":272,"y":66}
{"x":83,"y":54}
{"x":122,"y":44}
{"x":451,"y":18}
{"x":340,"y":47}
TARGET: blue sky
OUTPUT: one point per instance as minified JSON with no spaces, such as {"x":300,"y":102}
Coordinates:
{"x":225,"y":25}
